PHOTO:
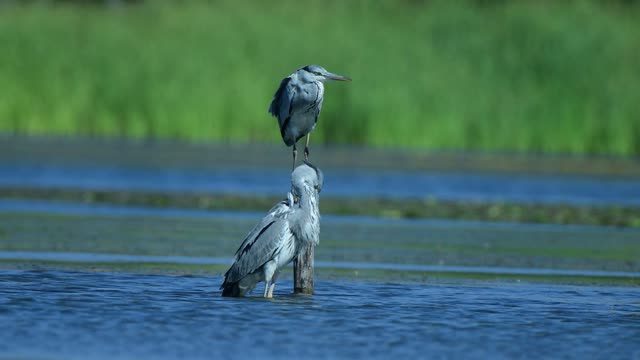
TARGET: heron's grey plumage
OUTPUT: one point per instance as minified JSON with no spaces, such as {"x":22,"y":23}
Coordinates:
{"x":297,"y":103}
{"x":278,"y":238}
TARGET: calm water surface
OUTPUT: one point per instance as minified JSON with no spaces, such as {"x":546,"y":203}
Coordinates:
{"x":99,"y":165}
{"x":88,"y":315}
{"x":338,"y":183}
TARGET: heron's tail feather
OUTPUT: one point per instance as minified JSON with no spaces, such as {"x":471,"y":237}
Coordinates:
{"x":240,"y":287}
{"x":232,"y":289}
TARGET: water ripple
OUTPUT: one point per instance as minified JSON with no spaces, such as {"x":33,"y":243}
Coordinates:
{"x":192,"y":260}
{"x":86,"y":315}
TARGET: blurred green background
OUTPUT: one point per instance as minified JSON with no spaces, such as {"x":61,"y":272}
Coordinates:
{"x":508,"y":76}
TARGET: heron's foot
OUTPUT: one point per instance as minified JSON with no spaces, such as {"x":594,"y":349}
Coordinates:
{"x":270,"y":292}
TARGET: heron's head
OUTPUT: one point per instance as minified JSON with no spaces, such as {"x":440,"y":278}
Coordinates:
{"x":306,"y":178}
{"x":312,"y":73}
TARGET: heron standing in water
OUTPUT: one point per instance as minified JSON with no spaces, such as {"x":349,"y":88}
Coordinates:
{"x":279,"y":237}
{"x":297,"y":104}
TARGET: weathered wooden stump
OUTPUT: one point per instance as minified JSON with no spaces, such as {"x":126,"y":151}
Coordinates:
{"x":303,"y":272}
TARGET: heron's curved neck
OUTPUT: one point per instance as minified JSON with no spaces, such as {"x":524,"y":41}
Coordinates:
{"x":309,"y":220}
{"x":307,"y":199}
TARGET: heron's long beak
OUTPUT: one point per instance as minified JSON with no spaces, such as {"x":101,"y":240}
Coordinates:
{"x":331,"y":76}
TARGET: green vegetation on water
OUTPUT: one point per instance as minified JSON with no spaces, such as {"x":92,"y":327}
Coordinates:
{"x":380,"y":207}
{"x":528,"y":76}
{"x":359,"y":241}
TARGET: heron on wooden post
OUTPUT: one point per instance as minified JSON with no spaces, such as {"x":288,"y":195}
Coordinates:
{"x":290,"y":228}
{"x":297,"y":104}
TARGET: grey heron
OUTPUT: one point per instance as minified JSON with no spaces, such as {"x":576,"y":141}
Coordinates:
{"x":279,"y":237}
{"x":297,"y":104}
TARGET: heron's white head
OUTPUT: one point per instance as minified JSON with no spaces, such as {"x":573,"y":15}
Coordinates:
{"x":306,"y":179}
{"x":313,"y":73}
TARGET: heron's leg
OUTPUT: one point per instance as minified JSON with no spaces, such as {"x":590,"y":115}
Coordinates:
{"x":270,"y":268}
{"x":273,"y":284}
{"x":295,"y":155}
{"x":306,"y":148}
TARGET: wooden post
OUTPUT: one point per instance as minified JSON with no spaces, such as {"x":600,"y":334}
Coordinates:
{"x":303,"y":272}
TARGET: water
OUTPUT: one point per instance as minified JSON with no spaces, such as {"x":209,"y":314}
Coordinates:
{"x":406,"y":307}
{"x":90,"y":281}
{"x":88,"y":315}
{"x":339,"y":183}
{"x":98,"y":259}
{"x":264,"y":170}
{"x":390,"y":244}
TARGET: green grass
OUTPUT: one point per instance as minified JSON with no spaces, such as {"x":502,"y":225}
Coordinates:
{"x":528,"y":76}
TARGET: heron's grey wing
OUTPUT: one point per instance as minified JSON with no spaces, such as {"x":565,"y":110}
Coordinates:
{"x":261,"y":246}
{"x":281,"y":106}
{"x":274,"y":213}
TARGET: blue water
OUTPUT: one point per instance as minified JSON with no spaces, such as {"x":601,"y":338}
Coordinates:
{"x":97,"y":259}
{"x":88,"y":315}
{"x":338,"y":183}
{"x":55,"y":314}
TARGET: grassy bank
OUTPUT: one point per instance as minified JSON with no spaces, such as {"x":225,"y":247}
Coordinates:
{"x":532,"y":76}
